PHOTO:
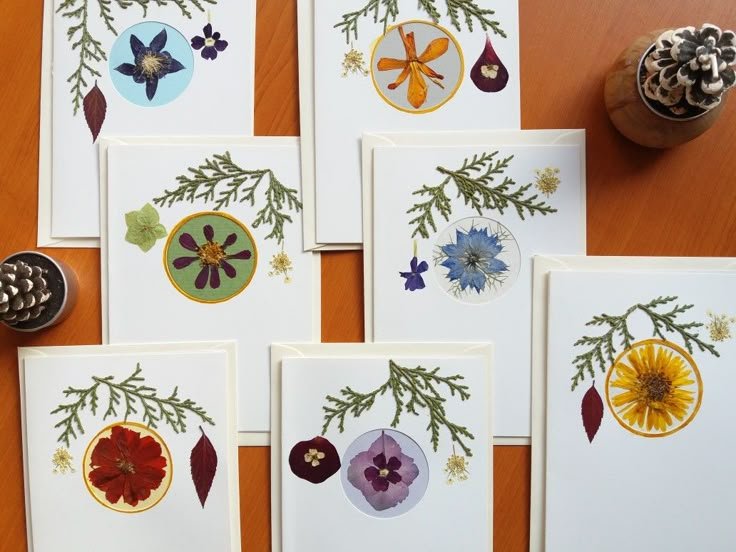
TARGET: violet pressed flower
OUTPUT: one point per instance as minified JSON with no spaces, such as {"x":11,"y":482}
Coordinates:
{"x":472,"y":260}
{"x":315,"y":460}
{"x":212,"y":257}
{"x":414,"y":280}
{"x":210,"y":43}
{"x":383,"y":473}
{"x":150,"y":63}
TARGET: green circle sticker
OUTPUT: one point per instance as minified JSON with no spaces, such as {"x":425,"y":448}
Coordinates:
{"x":210,"y":257}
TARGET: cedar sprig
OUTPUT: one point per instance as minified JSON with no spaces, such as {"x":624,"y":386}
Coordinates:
{"x":130,"y":395}
{"x":602,"y":349}
{"x":474,"y":181}
{"x":413,"y":389}
{"x":221,"y":181}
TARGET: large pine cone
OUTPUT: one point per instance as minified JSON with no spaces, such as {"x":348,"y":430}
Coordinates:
{"x":23,"y":292}
{"x":695,"y":63}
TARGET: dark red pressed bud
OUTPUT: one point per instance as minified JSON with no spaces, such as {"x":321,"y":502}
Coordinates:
{"x":489,"y":74}
{"x":315,"y":460}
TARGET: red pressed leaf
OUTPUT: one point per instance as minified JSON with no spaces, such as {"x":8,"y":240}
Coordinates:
{"x":203,"y":463}
{"x":592,"y":411}
{"x":95,"y":108}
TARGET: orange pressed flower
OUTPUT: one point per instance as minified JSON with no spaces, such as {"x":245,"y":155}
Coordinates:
{"x":415,"y":66}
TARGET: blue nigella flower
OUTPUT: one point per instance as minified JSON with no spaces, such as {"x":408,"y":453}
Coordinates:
{"x":472,"y":259}
{"x":414,"y":280}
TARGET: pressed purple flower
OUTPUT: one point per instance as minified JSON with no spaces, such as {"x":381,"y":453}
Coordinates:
{"x":210,"y":43}
{"x":383,"y":473}
{"x":211,"y":256}
{"x":315,"y":460}
{"x":414,"y":280}
{"x":150,"y":63}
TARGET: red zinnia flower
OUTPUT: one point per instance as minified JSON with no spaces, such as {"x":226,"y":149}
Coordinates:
{"x":126,"y":465}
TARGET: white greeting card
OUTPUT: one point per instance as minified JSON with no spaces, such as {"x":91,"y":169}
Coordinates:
{"x":630,"y":400}
{"x":452,"y":221}
{"x":203,"y":241}
{"x":377,"y":440}
{"x":130,"y":446}
{"x":142,"y":68}
{"x":394,"y":66}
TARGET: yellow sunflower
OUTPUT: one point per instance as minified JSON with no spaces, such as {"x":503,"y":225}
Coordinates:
{"x":662,"y":388}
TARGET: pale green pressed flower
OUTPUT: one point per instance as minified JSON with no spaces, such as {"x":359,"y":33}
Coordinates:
{"x":144,"y":227}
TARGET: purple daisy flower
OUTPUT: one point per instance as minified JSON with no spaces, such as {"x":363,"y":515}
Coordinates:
{"x":211,"y":256}
{"x":414,"y":280}
{"x":210,"y":43}
{"x":150,"y":63}
{"x":383,"y":473}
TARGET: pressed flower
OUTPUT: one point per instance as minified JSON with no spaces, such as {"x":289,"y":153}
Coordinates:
{"x":353,"y":63}
{"x":489,"y":74}
{"x":383,"y":473}
{"x":211,"y":255}
{"x":719,"y":326}
{"x":210,"y":43}
{"x":456,"y":468}
{"x":315,"y":460}
{"x":659,"y":385}
{"x":414,"y":280}
{"x":547,"y":180}
{"x":144,"y":227}
{"x":472,"y":260}
{"x":415,"y":67}
{"x":281,"y":264}
{"x":150,"y":63}
{"x":62,"y":461}
{"x":126,"y":465}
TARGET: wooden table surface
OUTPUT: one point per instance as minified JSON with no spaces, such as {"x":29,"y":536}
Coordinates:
{"x":678,"y":202}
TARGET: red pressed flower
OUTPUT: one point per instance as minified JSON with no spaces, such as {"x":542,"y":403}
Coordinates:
{"x":126,"y":465}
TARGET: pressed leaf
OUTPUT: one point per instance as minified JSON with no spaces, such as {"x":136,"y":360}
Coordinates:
{"x":592,"y":411}
{"x":95,"y":108}
{"x":203,"y":462}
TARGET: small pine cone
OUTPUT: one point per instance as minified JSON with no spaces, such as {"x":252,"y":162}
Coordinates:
{"x":23,"y":292}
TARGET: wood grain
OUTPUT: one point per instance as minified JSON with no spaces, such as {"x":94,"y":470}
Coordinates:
{"x":640,"y":201}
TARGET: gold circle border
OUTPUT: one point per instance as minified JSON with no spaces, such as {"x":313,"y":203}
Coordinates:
{"x":696,"y":371}
{"x":231,"y":219}
{"x":443,"y":102}
{"x":165,"y":449}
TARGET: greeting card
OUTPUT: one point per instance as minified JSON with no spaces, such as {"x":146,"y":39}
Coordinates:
{"x":203,"y":241}
{"x":378,"y":440}
{"x":130,"y":446}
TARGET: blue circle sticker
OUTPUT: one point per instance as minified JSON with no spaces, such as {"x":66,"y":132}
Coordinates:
{"x":151,"y":64}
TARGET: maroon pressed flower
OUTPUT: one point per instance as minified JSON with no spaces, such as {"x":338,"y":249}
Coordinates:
{"x":210,"y":43}
{"x":315,"y":460}
{"x":211,"y":256}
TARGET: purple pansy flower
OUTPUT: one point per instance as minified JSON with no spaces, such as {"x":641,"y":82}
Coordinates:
{"x":210,"y":43}
{"x":150,"y":63}
{"x":211,"y":256}
{"x":414,"y":280}
{"x":383,"y":473}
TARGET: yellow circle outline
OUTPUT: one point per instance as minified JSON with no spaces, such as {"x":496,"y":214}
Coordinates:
{"x":459,"y":80}
{"x":681,"y":352}
{"x":94,"y":490}
{"x":219,"y":214}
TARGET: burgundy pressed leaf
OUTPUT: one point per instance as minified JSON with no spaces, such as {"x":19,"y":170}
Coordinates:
{"x":592,"y":411}
{"x":95,"y":108}
{"x":203,"y":462}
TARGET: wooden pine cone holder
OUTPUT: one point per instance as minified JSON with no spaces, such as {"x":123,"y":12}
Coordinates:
{"x":631,"y":115}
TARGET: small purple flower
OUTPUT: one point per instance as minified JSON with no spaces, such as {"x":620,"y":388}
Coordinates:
{"x":414,"y":280}
{"x":315,"y":460}
{"x":150,"y":63}
{"x":383,"y":473}
{"x":210,"y":43}
{"x":211,"y":256}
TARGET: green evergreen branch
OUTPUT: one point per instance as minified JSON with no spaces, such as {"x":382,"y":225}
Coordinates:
{"x":474,"y":182}
{"x":386,"y":11}
{"x":602,"y":350}
{"x":132,"y":391}
{"x":239,"y":185}
{"x":420,"y":386}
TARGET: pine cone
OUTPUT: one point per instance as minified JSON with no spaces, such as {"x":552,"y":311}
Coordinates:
{"x":23,"y":292}
{"x":697,"y":64}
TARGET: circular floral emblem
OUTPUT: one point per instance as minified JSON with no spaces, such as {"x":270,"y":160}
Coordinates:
{"x":210,"y":257}
{"x":127,"y":467}
{"x":654,"y":388}
{"x":151,"y":64}
{"x":384,"y":473}
{"x":417,"y":66}
{"x":476,"y":259}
